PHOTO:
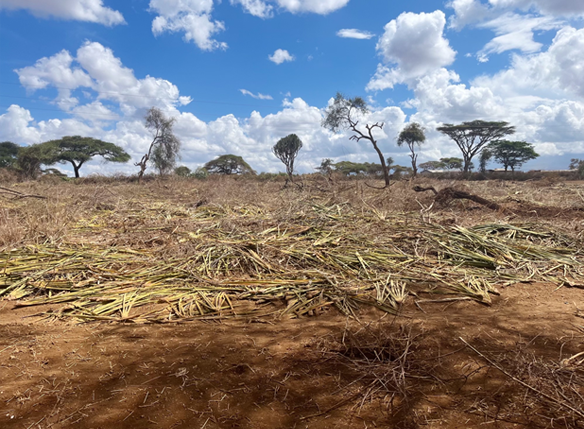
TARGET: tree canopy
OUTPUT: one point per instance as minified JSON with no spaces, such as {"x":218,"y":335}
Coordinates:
{"x":229,"y":164}
{"x":286,"y":150}
{"x":78,"y":150}
{"x":165,"y":146}
{"x":431,"y":165}
{"x":472,"y":137}
{"x":412,"y":135}
{"x":452,"y":163}
{"x":512,"y":154}
{"x":344,"y":113}
{"x":30,"y":159}
{"x":182,"y":171}
{"x":578,"y":165}
{"x":8,"y":154}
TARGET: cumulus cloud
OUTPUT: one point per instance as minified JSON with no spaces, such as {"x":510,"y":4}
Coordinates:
{"x":58,"y":72}
{"x":414,"y":44}
{"x":555,"y":73}
{"x":541,"y":94}
{"x":80,"y":10}
{"x":191,"y":17}
{"x":257,"y":96}
{"x":95,"y":112}
{"x":95,"y":67}
{"x":467,"y":12}
{"x":280,"y":56}
{"x":352,"y":33}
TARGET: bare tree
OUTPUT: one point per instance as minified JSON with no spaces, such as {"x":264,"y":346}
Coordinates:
{"x":343,"y":113}
{"x":286,"y":150}
{"x":163,"y":150}
{"x":411,"y":135}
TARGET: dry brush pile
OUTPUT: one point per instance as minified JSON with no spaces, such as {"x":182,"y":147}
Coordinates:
{"x":148,"y":260}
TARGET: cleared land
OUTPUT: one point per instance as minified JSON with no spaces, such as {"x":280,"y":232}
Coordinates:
{"x":235,"y":303}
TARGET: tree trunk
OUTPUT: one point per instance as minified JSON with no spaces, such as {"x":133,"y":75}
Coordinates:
{"x":467,"y":162}
{"x":414,"y":166}
{"x":76,"y":169}
{"x":383,"y":165}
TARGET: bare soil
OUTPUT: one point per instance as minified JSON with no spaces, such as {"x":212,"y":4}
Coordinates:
{"x":284,"y":374}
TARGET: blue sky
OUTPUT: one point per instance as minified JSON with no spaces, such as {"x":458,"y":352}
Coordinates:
{"x":240,"y":74}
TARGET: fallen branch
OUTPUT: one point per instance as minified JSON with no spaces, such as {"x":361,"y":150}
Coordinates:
{"x":446,"y":195}
{"x":19,"y":195}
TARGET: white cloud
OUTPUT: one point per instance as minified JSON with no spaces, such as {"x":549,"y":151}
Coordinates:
{"x":80,"y":10}
{"x":255,"y":7}
{"x":257,"y":96}
{"x":322,"y":7}
{"x":96,"y":67}
{"x":56,"y":71}
{"x":541,"y":94}
{"x":468,"y":12}
{"x":263,"y":8}
{"x":191,"y":17}
{"x":415,"y":44}
{"x":95,"y":112}
{"x":515,"y":32}
{"x":352,"y":33}
{"x":551,"y":7}
{"x":14,"y":126}
{"x":555,"y":73}
{"x":280,"y":56}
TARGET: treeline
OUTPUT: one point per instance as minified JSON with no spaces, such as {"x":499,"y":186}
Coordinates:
{"x":479,"y":140}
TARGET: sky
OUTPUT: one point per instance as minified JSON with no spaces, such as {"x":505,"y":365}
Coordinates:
{"x":238,"y":75}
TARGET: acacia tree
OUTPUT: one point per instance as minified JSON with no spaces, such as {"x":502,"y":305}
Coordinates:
{"x":8,"y":154}
{"x":432,"y":165}
{"x":163,"y":150}
{"x":229,"y":164}
{"x":30,"y":159}
{"x":484,"y":159}
{"x":578,"y":165}
{"x":511,"y":154}
{"x":326,"y":167}
{"x":412,"y":135}
{"x":472,"y":137}
{"x":78,"y":150}
{"x":286,"y":150}
{"x":343,"y":113}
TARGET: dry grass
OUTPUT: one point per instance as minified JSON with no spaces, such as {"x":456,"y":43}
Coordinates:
{"x":183,"y":250}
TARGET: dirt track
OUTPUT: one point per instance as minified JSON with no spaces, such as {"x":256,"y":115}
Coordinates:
{"x":279,"y":374}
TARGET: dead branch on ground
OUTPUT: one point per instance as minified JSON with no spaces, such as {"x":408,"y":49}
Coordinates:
{"x":19,"y":195}
{"x":446,"y":195}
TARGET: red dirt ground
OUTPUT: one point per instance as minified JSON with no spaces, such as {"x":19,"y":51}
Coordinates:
{"x":293,"y":373}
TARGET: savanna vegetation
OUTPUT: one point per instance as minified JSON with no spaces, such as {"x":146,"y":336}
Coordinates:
{"x":221,"y":298}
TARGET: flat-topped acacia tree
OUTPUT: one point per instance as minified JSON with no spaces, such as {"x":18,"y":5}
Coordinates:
{"x":343,"y":113}
{"x":512,"y":154}
{"x":228,"y":165}
{"x":472,"y":137}
{"x":78,"y":150}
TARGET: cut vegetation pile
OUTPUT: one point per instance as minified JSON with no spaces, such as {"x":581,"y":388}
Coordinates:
{"x":217,"y":261}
